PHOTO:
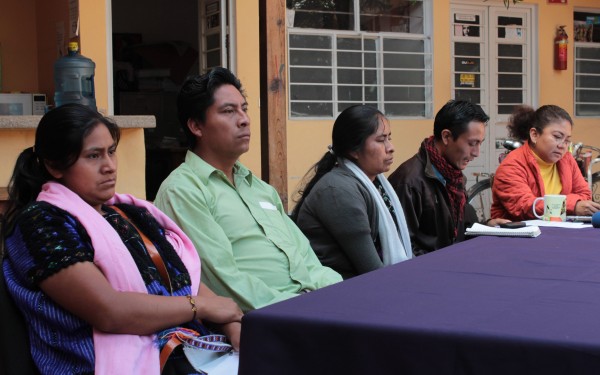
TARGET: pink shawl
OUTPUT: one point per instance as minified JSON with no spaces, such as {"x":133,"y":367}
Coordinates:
{"x":122,"y":353}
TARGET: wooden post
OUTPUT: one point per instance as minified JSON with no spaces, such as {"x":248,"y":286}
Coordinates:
{"x":272,"y":95}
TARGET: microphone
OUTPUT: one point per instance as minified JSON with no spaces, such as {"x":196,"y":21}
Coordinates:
{"x":596,"y":219}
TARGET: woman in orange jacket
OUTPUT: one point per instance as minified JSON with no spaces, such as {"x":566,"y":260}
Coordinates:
{"x":541,"y":166}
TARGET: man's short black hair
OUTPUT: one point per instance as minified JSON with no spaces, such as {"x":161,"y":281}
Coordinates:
{"x":455,"y":116}
{"x":198,"y":93}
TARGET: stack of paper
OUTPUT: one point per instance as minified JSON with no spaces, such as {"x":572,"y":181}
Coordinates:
{"x":484,"y":230}
{"x":559,"y":224}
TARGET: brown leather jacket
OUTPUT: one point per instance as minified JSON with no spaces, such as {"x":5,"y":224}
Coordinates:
{"x":426,"y":206}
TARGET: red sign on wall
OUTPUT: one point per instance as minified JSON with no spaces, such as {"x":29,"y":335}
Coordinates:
{"x":557,"y":1}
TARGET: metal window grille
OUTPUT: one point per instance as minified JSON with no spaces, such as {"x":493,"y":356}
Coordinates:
{"x":332,"y":68}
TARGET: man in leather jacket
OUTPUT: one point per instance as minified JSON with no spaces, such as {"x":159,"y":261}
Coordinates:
{"x":431,"y":185}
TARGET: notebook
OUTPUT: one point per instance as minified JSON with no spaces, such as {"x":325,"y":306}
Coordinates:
{"x":484,"y":230}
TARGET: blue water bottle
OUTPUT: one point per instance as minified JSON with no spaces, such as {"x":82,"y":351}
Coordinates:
{"x":74,"y":79}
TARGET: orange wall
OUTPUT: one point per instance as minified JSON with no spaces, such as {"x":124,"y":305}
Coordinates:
{"x":28,"y":40}
{"x":28,"y":43}
{"x":557,"y":86}
{"x":248,"y":72}
{"x":93,"y":24}
{"x":132,"y":173}
{"x":308,"y":140}
{"x":93,"y":19}
{"x":49,"y":15}
{"x":28,"y":30}
{"x":18,"y":46}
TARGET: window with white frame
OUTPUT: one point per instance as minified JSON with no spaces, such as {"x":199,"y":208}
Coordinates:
{"x":587,"y":63}
{"x":346,"y":52}
{"x":217,"y":37}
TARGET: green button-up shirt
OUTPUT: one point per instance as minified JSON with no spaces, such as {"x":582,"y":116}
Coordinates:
{"x":250,"y":250}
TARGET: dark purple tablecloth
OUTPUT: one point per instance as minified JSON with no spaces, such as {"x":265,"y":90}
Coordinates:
{"x":489,"y":305}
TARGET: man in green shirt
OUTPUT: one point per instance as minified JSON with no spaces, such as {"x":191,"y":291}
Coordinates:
{"x":250,"y":250}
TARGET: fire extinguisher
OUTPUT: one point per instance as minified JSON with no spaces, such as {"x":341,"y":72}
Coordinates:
{"x":560,"y":49}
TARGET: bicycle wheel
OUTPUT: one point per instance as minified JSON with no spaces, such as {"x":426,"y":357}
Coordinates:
{"x":479,"y":196}
{"x":596,"y":187}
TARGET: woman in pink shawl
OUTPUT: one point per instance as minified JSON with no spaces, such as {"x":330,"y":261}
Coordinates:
{"x":79,"y":259}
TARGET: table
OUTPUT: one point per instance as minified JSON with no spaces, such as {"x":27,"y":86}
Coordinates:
{"x":488,"y":305}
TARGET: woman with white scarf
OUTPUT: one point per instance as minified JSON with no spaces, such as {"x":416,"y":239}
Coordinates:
{"x":348,"y":210}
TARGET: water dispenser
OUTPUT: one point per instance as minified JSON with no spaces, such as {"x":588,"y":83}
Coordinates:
{"x":74,"y":79}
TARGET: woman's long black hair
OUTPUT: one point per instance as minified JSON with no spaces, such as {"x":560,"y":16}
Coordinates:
{"x":58,"y":144}
{"x":350,"y":131}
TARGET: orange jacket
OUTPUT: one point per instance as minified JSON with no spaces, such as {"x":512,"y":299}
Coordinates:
{"x":518,"y":182}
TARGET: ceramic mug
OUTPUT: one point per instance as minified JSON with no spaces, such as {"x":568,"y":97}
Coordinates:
{"x":555,"y":207}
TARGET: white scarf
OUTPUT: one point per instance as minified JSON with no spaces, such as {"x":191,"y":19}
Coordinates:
{"x":395,"y":246}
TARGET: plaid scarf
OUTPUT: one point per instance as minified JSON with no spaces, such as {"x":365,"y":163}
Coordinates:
{"x":454,"y":182}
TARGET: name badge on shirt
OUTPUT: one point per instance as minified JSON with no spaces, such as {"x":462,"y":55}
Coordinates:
{"x":267,"y":206}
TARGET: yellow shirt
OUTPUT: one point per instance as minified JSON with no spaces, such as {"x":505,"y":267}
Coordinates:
{"x":550,"y":176}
